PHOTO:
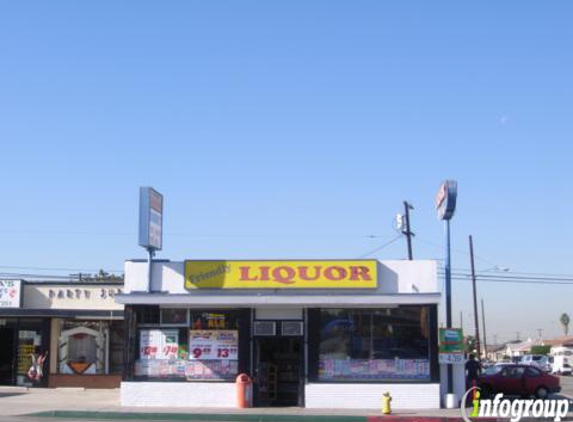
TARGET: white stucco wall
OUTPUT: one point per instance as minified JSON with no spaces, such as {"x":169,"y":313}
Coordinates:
{"x":178,"y":394}
{"x":317,"y":396}
{"x":369,"y":396}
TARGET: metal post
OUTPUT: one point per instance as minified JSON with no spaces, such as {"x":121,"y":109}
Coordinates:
{"x":484,"y":336}
{"x":449,"y":300}
{"x":149,"y":268}
{"x":476,"y":317}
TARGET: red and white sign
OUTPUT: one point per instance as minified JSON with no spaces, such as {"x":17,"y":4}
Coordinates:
{"x":213,"y":344}
{"x":158,"y":344}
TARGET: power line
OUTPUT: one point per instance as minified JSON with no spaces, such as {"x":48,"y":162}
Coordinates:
{"x":179,"y":234}
{"x":58,"y":269}
{"x":515,"y":281}
{"x":380,"y":247}
{"x":484,"y":277}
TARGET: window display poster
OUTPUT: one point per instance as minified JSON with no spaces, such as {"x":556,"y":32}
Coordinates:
{"x":364,"y":369}
{"x":190,"y":370}
{"x":158,"y":344}
{"x":213,"y":344}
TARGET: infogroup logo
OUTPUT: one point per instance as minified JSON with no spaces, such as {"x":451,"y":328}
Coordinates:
{"x":513,"y":409}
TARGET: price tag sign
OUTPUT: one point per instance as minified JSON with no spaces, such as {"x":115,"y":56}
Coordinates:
{"x":451,"y":358}
{"x":158,"y":344}
{"x":213,"y":344}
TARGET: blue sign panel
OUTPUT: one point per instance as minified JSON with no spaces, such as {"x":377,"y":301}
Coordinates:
{"x":446,"y":199}
{"x":150,"y":219}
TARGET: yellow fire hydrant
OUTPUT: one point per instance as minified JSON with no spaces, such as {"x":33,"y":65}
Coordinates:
{"x":386,"y":399}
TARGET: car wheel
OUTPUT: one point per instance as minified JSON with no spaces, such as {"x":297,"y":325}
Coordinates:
{"x":541,"y":393}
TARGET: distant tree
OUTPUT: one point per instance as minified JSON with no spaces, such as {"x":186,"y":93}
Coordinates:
{"x":470,"y":344}
{"x":101,"y":275}
{"x":540,"y":350}
{"x":565,"y":320}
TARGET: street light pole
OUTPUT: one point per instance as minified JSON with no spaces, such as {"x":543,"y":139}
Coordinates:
{"x":476,"y":317}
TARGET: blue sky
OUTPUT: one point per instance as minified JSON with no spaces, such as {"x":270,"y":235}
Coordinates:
{"x":292,"y":129}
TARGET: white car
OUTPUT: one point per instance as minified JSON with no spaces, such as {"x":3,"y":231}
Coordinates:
{"x":540,"y":361}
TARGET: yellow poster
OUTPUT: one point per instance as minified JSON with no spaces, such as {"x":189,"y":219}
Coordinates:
{"x":357,"y":274}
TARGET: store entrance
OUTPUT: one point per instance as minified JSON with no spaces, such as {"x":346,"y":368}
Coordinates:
{"x":279,"y":375}
{"x":7,"y":356}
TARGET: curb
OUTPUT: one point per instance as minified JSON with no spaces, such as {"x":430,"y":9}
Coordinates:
{"x":235,"y":417}
{"x":215,"y":417}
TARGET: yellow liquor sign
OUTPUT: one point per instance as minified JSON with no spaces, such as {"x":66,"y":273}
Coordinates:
{"x":357,"y":274}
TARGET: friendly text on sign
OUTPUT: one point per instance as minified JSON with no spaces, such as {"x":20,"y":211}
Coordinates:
{"x":356,"y":274}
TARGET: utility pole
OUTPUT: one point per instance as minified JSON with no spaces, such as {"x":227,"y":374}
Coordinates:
{"x":476,"y":317}
{"x":461,"y":320}
{"x":484,"y":336}
{"x":408,"y":233}
{"x":540,"y":333}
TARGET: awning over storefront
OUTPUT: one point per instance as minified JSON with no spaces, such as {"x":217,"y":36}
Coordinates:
{"x":263,"y":300}
{"x":61,"y":313}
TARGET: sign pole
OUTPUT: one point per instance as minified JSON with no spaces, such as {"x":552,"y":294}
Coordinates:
{"x":149,"y":268}
{"x":446,"y":200}
{"x":448,"y":271}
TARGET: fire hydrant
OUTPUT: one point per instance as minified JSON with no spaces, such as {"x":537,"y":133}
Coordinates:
{"x":386,"y":399}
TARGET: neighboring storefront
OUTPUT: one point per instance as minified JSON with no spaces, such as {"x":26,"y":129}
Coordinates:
{"x":61,"y":334}
{"x":310,"y":333}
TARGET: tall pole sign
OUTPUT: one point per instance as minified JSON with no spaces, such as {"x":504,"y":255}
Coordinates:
{"x":150,"y":225}
{"x":446,"y":199}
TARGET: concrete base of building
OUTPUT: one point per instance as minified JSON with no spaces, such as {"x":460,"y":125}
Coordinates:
{"x":317,"y":396}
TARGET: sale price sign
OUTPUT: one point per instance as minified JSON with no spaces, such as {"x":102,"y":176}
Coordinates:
{"x":158,"y":344}
{"x":213,"y":344}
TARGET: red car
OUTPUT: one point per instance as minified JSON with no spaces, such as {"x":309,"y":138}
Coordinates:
{"x":518,"y":380}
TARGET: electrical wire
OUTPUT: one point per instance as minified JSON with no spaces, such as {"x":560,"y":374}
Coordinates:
{"x":380,"y":247}
{"x":82,"y":270}
{"x":176,"y":234}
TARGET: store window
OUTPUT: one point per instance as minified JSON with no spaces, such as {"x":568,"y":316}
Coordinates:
{"x":82,"y":347}
{"x":374,"y":344}
{"x":90,"y":347}
{"x":191,"y":345}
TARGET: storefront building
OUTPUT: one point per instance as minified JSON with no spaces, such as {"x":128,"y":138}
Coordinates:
{"x":60,"y":334}
{"x":316,"y":334}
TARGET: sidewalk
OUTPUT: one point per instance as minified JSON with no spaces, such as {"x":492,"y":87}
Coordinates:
{"x":105,"y":404}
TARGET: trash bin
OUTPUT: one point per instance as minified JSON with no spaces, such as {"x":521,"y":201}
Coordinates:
{"x":244,"y":391}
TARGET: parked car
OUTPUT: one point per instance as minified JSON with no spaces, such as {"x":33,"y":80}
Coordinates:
{"x":561,"y":366}
{"x":518,"y":380}
{"x":541,"y":361}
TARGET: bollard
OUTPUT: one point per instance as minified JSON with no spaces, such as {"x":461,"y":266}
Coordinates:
{"x":244,"y":391}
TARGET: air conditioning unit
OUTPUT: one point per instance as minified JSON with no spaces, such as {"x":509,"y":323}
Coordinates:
{"x":265,"y":328}
{"x":292,"y":328}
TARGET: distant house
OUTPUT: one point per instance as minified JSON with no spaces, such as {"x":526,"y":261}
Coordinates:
{"x":495,"y":352}
{"x":517,"y":349}
{"x":560,"y":346}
